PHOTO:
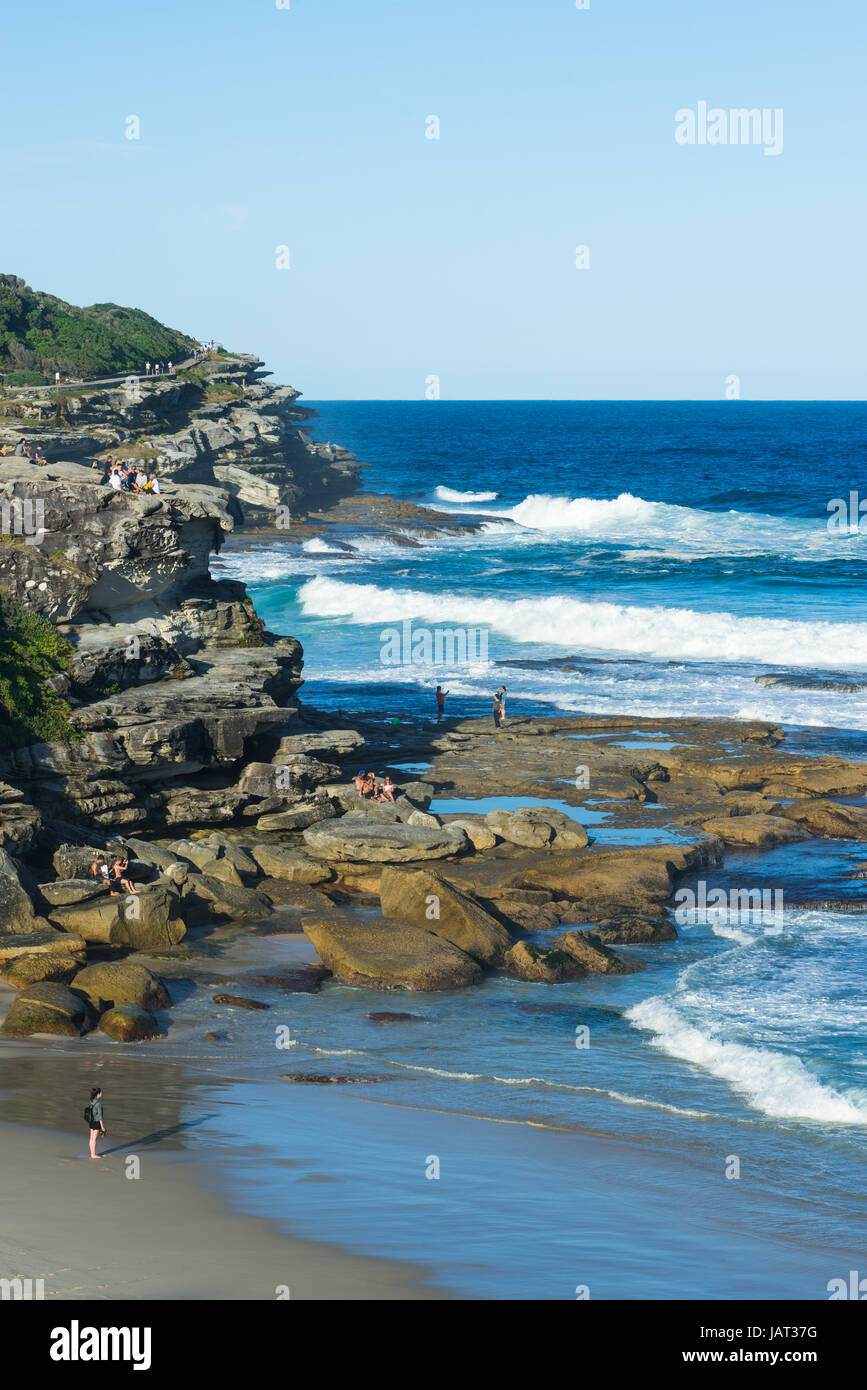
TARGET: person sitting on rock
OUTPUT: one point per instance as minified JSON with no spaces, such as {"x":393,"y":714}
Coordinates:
{"x":369,"y":788}
{"x":386,"y":791}
{"x":361,"y":782}
{"x":39,"y":456}
{"x":21,"y":450}
{"x":120,"y":874}
{"x":99,"y":871}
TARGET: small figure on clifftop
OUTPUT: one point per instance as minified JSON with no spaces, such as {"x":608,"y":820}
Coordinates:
{"x":93,"y":1115}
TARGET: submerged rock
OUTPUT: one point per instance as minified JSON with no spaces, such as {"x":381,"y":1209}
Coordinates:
{"x":240,"y":1003}
{"x":318,"y":1078}
{"x":386,"y":1016}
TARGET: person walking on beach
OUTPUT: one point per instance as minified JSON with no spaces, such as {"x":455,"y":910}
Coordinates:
{"x":441,"y":702}
{"x":95,"y":1119}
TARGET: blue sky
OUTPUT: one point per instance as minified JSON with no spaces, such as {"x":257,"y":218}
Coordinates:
{"x":410,"y":257}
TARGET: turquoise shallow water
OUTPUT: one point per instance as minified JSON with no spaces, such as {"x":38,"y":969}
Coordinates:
{"x":643,"y":559}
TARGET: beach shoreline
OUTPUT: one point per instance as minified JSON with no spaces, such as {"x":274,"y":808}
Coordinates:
{"x":99,"y":1234}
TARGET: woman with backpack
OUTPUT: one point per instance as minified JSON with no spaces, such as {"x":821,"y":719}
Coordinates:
{"x":93,"y":1115}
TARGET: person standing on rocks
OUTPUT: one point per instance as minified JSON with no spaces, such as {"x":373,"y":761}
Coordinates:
{"x":95,"y":1121}
{"x":497,"y":708}
{"x":502,"y":705}
{"x":441,"y":702}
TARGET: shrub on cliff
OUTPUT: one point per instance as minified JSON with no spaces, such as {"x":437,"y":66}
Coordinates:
{"x":41,"y":333}
{"x":32,"y":654}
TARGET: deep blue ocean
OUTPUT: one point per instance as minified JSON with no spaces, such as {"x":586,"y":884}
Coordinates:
{"x":680,"y":549}
{"x":646,"y":558}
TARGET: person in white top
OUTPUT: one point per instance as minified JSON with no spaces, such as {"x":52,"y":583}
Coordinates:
{"x":141,"y":478}
{"x":114,"y":479}
{"x":155,"y":484}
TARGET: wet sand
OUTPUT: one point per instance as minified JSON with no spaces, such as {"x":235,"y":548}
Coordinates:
{"x":89,"y":1231}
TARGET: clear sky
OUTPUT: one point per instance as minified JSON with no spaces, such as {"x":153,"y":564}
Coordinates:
{"x":410,"y":257}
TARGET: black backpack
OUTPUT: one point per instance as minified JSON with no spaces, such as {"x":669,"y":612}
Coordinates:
{"x":88,"y":1114}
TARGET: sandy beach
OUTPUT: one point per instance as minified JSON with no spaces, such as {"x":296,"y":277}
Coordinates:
{"x":91,"y":1232}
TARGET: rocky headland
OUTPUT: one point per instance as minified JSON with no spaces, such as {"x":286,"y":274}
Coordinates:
{"x":148,"y":713}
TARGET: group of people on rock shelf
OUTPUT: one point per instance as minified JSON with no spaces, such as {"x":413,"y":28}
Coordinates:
{"x":22,"y":451}
{"x":367,"y":786}
{"x":124,"y":476}
{"x":116,"y":878}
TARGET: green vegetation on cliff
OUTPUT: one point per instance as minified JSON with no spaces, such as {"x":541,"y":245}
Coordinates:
{"x":31,"y":654}
{"x":39,"y":333}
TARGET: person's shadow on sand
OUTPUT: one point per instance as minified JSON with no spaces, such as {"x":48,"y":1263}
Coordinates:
{"x":156,"y":1137}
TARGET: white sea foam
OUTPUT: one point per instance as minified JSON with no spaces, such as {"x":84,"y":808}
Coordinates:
{"x":448,"y":494}
{"x":635,"y":630}
{"x":688,"y":532}
{"x":772,"y":1082}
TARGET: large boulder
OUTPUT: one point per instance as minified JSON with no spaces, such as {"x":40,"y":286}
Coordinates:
{"x":31,"y":969}
{"x":144,"y":921}
{"x":157,"y":856}
{"x":281,"y":861}
{"x":301,"y":816}
{"x":17,"y":913}
{"x":616,"y":881}
{"x":121,"y":982}
{"x":74,"y":861}
{"x":63,"y":892}
{"x":389,"y":955}
{"x":427,"y":901}
{"x":589,"y":952}
{"x":48,"y":1008}
{"x":631,"y":930}
{"x":541,"y":965}
{"x":129,"y":1023}
{"x":372,"y":842}
{"x":480,"y":835}
{"x":828,"y":819}
{"x":757,"y":831}
{"x":43,"y":940}
{"x":538,"y":827}
{"x":223,"y":869}
{"x":206,"y":898}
